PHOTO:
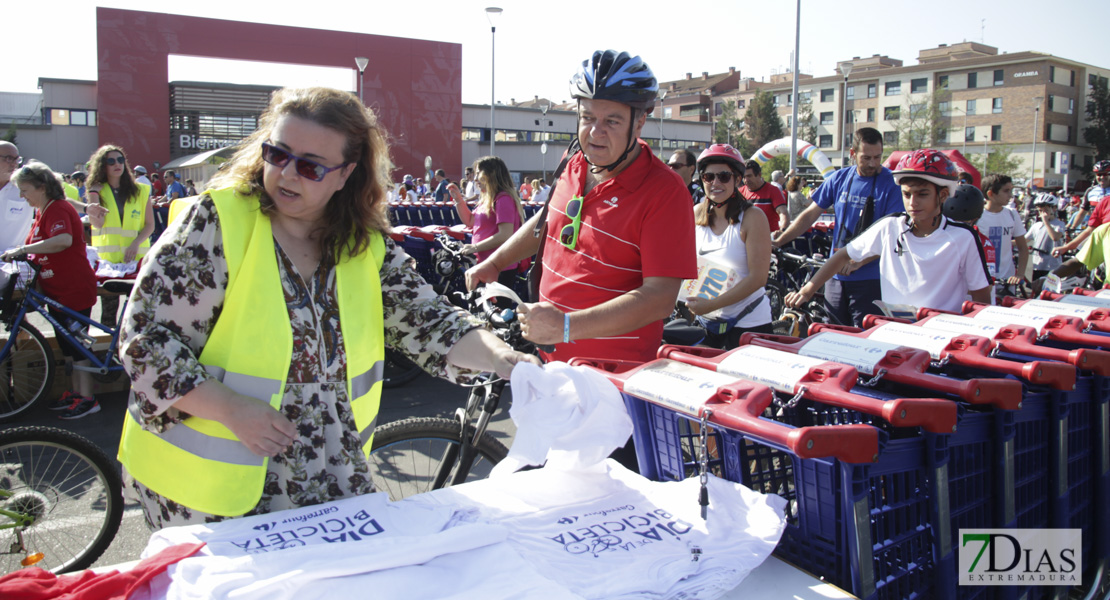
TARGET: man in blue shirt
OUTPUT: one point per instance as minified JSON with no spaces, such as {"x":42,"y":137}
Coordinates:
{"x":441,"y":185}
{"x":859,"y":196}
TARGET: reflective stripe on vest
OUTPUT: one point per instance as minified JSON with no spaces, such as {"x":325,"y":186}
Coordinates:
{"x":119,"y":231}
{"x":204,"y":466}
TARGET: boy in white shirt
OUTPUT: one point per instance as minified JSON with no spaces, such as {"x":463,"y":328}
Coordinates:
{"x":1005,"y":228}
{"x":1044,"y":235}
{"x":925,"y":260}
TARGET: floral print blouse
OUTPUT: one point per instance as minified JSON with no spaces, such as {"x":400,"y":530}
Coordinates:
{"x":177,"y":302}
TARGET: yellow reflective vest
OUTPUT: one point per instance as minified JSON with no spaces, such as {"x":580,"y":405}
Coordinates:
{"x":199,"y":463}
{"x":120,"y":230}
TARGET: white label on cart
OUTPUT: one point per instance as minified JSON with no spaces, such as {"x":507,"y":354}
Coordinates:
{"x":1013,"y":316}
{"x":932,"y":340}
{"x":1103,"y":294}
{"x":956,"y":324}
{"x":862,"y":353}
{"x":676,"y":385}
{"x":1094,"y":301}
{"x":779,"y":370}
{"x":1044,"y":307}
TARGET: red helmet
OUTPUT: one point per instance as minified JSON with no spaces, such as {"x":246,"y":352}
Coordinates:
{"x":930,"y":165}
{"x":730,"y":155}
{"x":1102,"y":166}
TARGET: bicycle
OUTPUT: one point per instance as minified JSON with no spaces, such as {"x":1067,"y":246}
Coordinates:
{"x":796,"y":321}
{"x":419,"y":454}
{"x":61,"y":500}
{"x":26,"y":359}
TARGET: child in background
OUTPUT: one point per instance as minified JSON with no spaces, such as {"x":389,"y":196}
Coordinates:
{"x":1046,"y":233}
{"x":1005,"y":228}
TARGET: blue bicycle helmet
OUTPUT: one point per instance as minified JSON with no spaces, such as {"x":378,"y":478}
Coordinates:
{"x":616,"y":76}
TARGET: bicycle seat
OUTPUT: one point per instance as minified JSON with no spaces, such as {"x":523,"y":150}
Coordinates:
{"x":121,"y":287}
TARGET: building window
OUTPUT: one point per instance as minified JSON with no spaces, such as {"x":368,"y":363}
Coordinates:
{"x":892,"y":113}
{"x":65,"y":116}
{"x":790,"y":99}
{"x":969,"y":134}
{"x":892,"y":88}
{"x":872,"y":90}
{"x":970,"y":107}
{"x":871,"y":115}
{"x":741,"y":103}
{"x":942,"y":136}
{"x":775,"y":100}
{"x":824,"y":141}
{"x":996,"y":105}
{"x":999,"y":79}
{"x":1072,"y":84}
{"x":827,"y":95}
{"x":919,"y":86}
{"x":851,"y":95}
{"x":475,"y":134}
{"x":1071,"y":105}
{"x":918,"y":110}
{"x":890,"y":138}
{"x":942,"y":82}
{"x":695,"y":110}
{"x":668,"y":111}
{"x":972,"y":80}
{"x":826,"y":118}
{"x":944,"y":107}
{"x":996,"y":133}
{"x":1051,"y":73}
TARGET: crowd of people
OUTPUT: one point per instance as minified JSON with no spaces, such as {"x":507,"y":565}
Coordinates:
{"x":253,"y":336}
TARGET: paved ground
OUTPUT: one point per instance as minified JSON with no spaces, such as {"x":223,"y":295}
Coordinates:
{"x":424,"y":396}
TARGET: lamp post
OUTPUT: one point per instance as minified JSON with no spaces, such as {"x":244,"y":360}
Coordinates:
{"x":1033,"y":162}
{"x":662,"y":153}
{"x":794,"y":86}
{"x":361,"y":62}
{"x":543,"y":146}
{"x":845,"y":70}
{"x":492,"y":15}
{"x":709,"y":94}
{"x":986,"y":152}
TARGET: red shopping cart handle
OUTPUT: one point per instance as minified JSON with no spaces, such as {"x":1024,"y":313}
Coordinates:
{"x":830,"y":383}
{"x":738,"y":406}
{"x":1098,"y":319}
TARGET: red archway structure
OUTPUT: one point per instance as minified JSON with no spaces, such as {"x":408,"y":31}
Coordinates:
{"x":415,"y":85}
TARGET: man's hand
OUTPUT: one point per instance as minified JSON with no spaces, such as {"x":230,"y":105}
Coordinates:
{"x":261,"y":428}
{"x":483,"y":272}
{"x":541,"y":322}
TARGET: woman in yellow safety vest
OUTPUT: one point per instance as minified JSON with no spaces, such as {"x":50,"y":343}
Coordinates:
{"x":256,"y":337}
{"x":121,"y":231}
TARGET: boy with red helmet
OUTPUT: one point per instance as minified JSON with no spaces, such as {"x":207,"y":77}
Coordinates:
{"x":925,"y":259}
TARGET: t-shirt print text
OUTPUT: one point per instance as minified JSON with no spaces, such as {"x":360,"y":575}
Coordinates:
{"x":612,"y":201}
{"x":613,"y":533}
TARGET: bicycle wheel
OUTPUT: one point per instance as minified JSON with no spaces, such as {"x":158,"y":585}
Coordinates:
{"x":776,"y":294}
{"x":399,"y":370}
{"x":68,"y":496}
{"x":26,"y":372}
{"x":407,"y":454}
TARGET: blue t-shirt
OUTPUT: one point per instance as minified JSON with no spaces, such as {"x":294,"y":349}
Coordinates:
{"x":441,"y":191}
{"x":849,"y":192}
{"x":176,"y":187}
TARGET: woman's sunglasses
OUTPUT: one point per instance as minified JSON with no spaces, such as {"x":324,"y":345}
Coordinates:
{"x":723,"y":177}
{"x":307,"y":168}
{"x":569,"y":235}
{"x":111,"y":160}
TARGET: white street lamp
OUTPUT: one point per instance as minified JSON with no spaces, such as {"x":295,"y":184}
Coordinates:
{"x":492,"y":15}
{"x":662,"y":97}
{"x":1033,"y":163}
{"x":794,"y":86}
{"x":846,"y":139}
{"x":361,"y":62}
{"x":543,"y":145}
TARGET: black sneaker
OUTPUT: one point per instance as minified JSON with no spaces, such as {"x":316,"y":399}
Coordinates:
{"x":82,"y":406}
{"x":63,"y":403}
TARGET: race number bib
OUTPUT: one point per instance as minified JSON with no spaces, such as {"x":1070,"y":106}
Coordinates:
{"x":713,"y":280}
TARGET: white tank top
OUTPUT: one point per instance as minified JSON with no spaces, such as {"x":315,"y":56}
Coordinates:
{"x":728,"y":249}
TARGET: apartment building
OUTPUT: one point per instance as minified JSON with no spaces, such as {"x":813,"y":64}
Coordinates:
{"x":987,"y":100}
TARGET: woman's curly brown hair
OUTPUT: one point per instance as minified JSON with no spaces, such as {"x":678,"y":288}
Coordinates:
{"x":353,"y":212}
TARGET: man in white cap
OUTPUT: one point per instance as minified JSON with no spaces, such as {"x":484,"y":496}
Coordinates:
{"x":142,"y":178}
{"x":17,"y":216}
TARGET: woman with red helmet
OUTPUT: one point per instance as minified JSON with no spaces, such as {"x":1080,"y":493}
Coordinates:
{"x":734,"y":246}
{"x":925,"y":260}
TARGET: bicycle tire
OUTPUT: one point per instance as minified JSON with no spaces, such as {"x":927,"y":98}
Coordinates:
{"x":70,"y":487}
{"x":407,"y":454}
{"x":399,"y":370}
{"x":776,"y":294}
{"x":26,"y":372}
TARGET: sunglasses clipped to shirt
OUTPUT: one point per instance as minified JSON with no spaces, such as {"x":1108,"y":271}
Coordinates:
{"x":569,"y":235}
{"x":305,"y":167}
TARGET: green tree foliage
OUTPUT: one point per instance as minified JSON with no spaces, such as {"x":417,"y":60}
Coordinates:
{"x":1002,"y":161}
{"x":807,"y":126}
{"x":762,"y":123}
{"x":728,"y":124}
{"x":1097,"y":133}
{"x":10,"y":134}
{"x":920,"y":124}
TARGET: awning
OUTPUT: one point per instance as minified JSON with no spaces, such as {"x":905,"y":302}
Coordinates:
{"x":200,"y":159}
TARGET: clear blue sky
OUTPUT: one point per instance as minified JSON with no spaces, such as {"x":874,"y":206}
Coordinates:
{"x":539,"y":44}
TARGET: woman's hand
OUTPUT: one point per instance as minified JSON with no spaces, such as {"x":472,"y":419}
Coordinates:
{"x":468,"y":249}
{"x":96,"y":214}
{"x":503,"y":361}
{"x":261,"y":428}
{"x":798,"y":298}
{"x":13,"y":254}
{"x":698,"y":306}
{"x":131,"y":250}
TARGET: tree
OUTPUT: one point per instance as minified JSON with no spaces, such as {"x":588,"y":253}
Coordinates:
{"x":762,"y":122}
{"x":9,"y":135}
{"x":919,"y":124}
{"x":807,"y":129}
{"x":727,"y":128}
{"x":1001,"y":161}
{"x":1097,"y":133}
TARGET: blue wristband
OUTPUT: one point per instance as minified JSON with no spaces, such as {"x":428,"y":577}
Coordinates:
{"x":566,"y":328}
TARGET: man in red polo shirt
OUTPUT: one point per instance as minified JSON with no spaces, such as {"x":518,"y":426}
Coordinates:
{"x":766,"y":197}
{"x":619,"y":232}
